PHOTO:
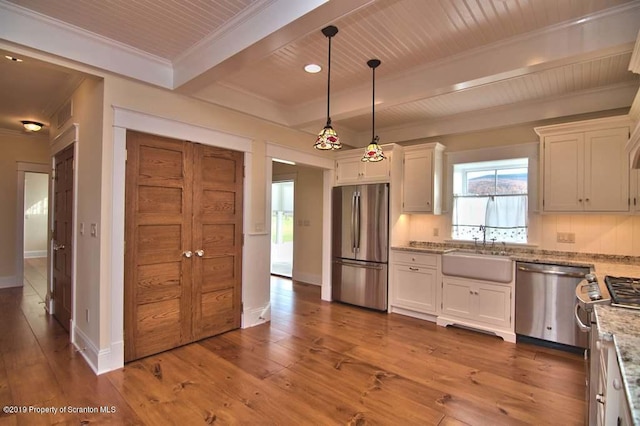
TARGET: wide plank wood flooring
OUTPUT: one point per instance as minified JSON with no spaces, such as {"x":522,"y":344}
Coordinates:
{"x":316,"y":363}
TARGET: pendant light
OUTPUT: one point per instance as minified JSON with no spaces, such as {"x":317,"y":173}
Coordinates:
{"x":373,"y":153}
{"x":328,"y":138}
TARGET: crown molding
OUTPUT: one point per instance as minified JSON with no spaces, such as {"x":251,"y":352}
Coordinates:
{"x":31,"y":29}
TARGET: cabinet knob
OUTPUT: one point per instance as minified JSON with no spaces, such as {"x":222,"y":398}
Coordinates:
{"x":476,"y":293}
{"x":616,"y":384}
{"x":187,"y":253}
{"x":586,"y":199}
{"x":579,"y":200}
{"x":470,"y":292}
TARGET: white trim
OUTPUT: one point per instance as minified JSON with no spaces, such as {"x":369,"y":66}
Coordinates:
{"x":85,"y":347}
{"x":155,"y":125}
{"x":274,"y":150}
{"x":314,"y":279}
{"x":23,"y":167}
{"x":34,"y":254}
{"x":584,"y":126}
{"x":28,"y":28}
{"x":9,"y":281}
{"x":112,"y":357}
{"x":256,"y":316}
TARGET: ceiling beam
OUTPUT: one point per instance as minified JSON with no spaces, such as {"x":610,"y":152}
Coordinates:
{"x":601,"y":35}
{"x":266,"y":29}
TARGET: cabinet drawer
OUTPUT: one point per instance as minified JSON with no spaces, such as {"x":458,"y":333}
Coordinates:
{"x":413,"y":258}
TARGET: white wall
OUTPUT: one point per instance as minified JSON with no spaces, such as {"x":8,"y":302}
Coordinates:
{"x":36,"y":202}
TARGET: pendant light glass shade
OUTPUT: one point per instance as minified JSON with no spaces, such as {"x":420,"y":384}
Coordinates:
{"x":328,"y":138}
{"x":373,"y":153}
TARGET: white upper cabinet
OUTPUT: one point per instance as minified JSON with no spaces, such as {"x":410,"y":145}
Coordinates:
{"x":585,"y":166}
{"x":635,"y":191}
{"x":351,"y":170}
{"x":422,"y":179}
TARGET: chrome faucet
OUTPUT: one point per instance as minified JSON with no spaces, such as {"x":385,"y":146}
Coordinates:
{"x":483,"y":229}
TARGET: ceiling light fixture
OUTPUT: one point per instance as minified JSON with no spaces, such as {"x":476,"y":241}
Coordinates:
{"x":312,"y":68}
{"x":373,"y":153}
{"x":12,"y":58}
{"x":328,"y":138}
{"x":32,"y":126}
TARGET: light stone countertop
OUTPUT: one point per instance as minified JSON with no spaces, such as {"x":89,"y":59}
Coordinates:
{"x":623,"y":327}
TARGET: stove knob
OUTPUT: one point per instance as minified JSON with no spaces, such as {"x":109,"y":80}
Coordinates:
{"x":591,"y":278}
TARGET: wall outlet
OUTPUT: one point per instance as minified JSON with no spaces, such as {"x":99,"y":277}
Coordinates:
{"x":94,"y":229}
{"x":81,"y":228}
{"x":566,"y":237}
{"x":86,"y":313}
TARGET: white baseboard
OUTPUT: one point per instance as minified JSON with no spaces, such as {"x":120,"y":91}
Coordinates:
{"x":256,"y":316}
{"x":315,"y":279}
{"x":86,"y":347}
{"x":9,"y":281}
{"x":35,"y":253}
{"x":507,"y":335}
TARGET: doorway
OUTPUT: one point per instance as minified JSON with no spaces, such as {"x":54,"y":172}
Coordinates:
{"x":282,"y":221}
{"x":35,"y":219}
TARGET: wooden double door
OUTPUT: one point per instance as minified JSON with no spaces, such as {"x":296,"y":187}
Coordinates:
{"x":183,"y":243}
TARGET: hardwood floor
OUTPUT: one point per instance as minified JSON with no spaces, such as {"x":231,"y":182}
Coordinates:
{"x":35,"y":275}
{"x":316,"y":363}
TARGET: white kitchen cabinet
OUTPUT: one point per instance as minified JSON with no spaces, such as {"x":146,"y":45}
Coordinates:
{"x":585,"y":166}
{"x":612,"y":405}
{"x":634,"y":199}
{"x":413,"y":286}
{"x":422,"y":179}
{"x":351,"y":170}
{"x":483,"y":305}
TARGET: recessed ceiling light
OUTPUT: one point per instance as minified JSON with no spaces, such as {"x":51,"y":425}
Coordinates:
{"x":14,"y":59}
{"x":312,"y":68}
{"x":32,"y":126}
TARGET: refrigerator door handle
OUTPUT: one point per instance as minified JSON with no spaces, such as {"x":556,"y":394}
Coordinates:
{"x":357,"y":227}
{"x":358,"y":265}
{"x":353,"y":222}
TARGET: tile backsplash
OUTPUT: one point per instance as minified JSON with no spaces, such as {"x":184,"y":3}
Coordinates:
{"x":606,"y":234}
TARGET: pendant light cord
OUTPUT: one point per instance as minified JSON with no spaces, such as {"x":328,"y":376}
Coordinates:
{"x":373,"y":107}
{"x":329,"y":83}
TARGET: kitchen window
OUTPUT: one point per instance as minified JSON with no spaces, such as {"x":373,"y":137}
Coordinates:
{"x":490,"y":201}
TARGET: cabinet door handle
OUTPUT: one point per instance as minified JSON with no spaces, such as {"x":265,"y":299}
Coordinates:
{"x":413,"y":269}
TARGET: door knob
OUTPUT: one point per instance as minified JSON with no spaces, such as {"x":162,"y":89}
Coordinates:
{"x":200,"y":253}
{"x":57,"y":247}
{"x":187,"y":253}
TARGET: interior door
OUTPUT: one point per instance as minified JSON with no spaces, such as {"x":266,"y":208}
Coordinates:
{"x":61,"y":259}
{"x":183,"y":248}
{"x":158,"y":212}
{"x":217,"y":240}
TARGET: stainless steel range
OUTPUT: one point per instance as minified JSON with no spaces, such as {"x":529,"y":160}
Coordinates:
{"x":590,"y":292}
{"x":625,"y":291}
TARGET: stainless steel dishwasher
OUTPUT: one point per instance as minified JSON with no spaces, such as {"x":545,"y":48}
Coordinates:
{"x":545,"y":302}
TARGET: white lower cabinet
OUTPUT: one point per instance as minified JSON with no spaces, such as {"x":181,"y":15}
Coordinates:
{"x":483,"y":305}
{"x":612,"y":406}
{"x":414,"y":284}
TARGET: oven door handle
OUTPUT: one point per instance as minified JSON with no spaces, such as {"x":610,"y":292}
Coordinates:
{"x":581,"y":325}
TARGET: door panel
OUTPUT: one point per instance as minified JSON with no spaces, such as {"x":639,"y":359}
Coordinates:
{"x":372,"y":216}
{"x":217,"y":232}
{"x":158,"y":231}
{"x":62,"y":237}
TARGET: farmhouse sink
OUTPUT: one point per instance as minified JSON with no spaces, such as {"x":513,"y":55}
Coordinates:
{"x":488,"y":267}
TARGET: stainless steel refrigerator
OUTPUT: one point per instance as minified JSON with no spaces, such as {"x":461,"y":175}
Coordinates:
{"x":360,"y":244}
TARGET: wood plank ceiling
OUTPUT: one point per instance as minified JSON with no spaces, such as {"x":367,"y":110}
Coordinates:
{"x":413,"y":38}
